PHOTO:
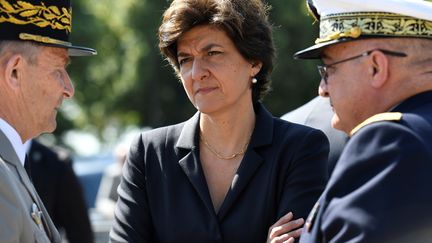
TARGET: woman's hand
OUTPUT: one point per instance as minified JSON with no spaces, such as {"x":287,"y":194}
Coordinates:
{"x":285,"y":229}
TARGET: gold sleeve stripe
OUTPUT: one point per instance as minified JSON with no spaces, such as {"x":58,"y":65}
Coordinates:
{"x":24,"y":13}
{"x":388,"y":116}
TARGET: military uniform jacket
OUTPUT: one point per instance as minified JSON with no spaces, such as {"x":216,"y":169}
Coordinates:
{"x":23,"y":217}
{"x":163,"y":195}
{"x":380,"y":188}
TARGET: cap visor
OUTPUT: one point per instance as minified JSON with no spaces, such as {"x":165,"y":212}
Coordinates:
{"x":315,"y":51}
{"x":74,"y":51}
{"x":81,"y":51}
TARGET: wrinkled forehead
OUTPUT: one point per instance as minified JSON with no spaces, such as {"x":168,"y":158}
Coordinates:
{"x":201,"y":36}
{"x":54,"y":55}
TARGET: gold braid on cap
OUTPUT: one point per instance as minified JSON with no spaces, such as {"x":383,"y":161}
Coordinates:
{"x":354,"y":25}
{"x":43,"y":39}
{"x":23,"y":13}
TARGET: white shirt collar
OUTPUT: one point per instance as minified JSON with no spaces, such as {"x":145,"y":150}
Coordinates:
{"x":14,"y":138}
{"x":27,"y":145}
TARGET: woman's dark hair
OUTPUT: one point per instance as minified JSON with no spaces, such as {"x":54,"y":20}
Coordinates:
{"x":244,"y":21}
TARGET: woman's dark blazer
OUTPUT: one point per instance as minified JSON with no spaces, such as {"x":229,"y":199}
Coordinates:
{"x":163,"y":196}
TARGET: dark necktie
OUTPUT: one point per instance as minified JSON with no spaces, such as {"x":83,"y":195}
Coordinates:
{"x":27,"y":166}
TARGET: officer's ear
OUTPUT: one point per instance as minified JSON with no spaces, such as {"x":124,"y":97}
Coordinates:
{"x":378,"y":69}
{"x":13,"y":70}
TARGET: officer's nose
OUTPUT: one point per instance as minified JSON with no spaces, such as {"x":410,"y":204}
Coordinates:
{"x":69,"y":89}
{"x":322,"y":89}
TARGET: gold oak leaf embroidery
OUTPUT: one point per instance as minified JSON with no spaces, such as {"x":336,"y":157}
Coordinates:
{"x":23,"y":13}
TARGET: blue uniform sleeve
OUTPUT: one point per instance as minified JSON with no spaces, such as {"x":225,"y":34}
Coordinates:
{"x":379,"y":191}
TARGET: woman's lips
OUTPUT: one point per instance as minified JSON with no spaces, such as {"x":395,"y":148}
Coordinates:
{"x":205,"y":90}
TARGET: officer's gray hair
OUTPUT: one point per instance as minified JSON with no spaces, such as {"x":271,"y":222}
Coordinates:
{"x":419,"y":51}
{"x":26,"y":48}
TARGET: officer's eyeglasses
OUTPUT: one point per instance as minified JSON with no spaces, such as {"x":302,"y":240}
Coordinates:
{"x":323,"y":69}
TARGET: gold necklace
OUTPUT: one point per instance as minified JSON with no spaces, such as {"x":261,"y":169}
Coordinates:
{"x":232,"y":156}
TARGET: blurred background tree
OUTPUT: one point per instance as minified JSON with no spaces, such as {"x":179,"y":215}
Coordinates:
{"x":129,"y":83}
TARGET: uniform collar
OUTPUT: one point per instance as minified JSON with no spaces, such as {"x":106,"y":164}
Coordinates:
{"x":414,"y":102}
{"x":14,"y":138}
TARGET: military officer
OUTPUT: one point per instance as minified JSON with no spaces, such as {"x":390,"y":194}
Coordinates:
{"x":34,"y":53}
{"x":377,"y":72}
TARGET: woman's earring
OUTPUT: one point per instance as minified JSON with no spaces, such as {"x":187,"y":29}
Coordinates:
{"x":254,"y":80}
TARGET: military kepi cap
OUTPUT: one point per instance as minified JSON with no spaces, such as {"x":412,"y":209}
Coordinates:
{"x":47,"y":22}
{"x":348,"y":20}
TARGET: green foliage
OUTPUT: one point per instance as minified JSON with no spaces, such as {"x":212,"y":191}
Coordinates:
{"x":294,"y":81}
{"x":128,"y":83}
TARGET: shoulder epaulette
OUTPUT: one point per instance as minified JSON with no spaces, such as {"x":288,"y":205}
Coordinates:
{"x":387,"y":116}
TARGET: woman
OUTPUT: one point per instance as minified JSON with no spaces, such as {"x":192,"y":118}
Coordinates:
{"x":232,"y":170}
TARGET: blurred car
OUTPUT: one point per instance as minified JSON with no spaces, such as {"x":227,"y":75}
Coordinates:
{"x":90,"y":170}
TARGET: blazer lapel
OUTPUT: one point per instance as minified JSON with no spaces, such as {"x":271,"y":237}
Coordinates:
{"x":192,"y":168}
{"x":190,"y":163}
{"x":9,"y":156}
{"x":252,"y":160}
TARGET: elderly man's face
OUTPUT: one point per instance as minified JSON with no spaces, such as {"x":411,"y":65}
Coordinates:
{"x":45,"y":84}
{"x":345,"y":85}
